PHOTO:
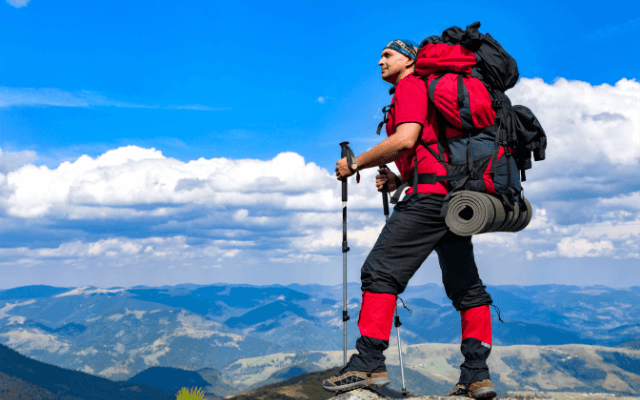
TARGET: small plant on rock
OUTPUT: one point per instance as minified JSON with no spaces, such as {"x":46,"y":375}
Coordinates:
{"x":193,"y":394}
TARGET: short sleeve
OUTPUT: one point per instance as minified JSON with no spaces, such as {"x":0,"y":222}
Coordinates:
{"x":411,"y":101}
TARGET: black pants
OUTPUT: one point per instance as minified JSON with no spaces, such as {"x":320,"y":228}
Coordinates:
{"x":413,"y":231}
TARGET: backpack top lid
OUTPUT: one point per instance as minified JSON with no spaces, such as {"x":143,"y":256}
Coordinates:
{"x":469,"y":52}
{"x":437,"y":56}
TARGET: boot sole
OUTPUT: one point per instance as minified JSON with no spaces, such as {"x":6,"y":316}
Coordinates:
{"x":484,"y":393}
{"x":374,"y":383}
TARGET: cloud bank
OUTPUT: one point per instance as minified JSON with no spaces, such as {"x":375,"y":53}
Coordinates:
{"x":135,"y":207}
{"x":117,"y":183}
{"x":10,"y":161}
{"x":584,"y":122}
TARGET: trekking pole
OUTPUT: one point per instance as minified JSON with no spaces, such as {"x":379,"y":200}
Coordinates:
{"x":346,"y":152}
{"x":397,"y":324}
{"x":385,"y":205}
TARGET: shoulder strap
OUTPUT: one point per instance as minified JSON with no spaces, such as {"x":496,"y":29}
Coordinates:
{"x":385,"y":119}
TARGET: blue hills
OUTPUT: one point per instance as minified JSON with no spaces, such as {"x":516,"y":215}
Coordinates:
{"x":173,"y":379}
{"x":117,"y":333}
{"x":31,"y":292}
{"x":25,"y":378}
{"x":544,"y":314}
{"x":269,"y":312}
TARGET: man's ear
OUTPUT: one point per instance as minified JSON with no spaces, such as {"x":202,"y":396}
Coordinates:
{"x":409,"y":63}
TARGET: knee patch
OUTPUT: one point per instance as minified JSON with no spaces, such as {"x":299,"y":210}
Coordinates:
{"x":376,"y":314}
{"x":476,"y":324}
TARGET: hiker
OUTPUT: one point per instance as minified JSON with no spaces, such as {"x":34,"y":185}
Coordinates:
{"x":413,"y":231}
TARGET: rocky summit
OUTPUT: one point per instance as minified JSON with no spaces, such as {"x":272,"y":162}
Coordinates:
{"x":366,"y":394}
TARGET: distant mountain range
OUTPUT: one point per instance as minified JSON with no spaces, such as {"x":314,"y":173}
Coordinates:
{"x":429,"y":369}
{"x":25,"y":378}
{"x":118,"y":333}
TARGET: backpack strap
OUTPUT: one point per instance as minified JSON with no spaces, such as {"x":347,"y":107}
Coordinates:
{"x":385,"y":119}
{"x":442,"y":122}
{"x":396,"y":195}
{"x":464,"y":107}
{"x":430,"y":179}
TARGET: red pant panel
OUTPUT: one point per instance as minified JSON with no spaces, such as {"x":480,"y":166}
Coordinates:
{"x":376,"y":315}
{"x":476,"y":323}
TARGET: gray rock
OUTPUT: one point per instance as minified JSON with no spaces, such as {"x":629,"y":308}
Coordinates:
{"x":364,"y":394}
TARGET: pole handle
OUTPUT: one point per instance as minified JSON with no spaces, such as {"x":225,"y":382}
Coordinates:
{"x":348,"y":153}
{"x":385,"y":197}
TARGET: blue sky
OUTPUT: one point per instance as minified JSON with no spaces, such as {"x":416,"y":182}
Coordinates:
{"x":105,"y":105}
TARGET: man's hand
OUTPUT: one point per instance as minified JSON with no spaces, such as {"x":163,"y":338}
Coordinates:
{"x":388,"y":150}
{"x":388,"y":177}
{"x":342,"y":169}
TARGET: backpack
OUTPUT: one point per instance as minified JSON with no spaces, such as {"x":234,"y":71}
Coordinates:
{"x":490,"y":143}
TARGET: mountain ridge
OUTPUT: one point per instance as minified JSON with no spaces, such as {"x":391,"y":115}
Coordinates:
{"x":117,"y":333}
{"x":21,"y":375}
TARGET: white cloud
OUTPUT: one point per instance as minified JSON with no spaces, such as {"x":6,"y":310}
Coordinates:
{"x":34,"y":97}
{"x":125,"y":251}
{"x":287,"y":210}
{"x":585,"y":124}
{"x":631,"y":200}
{"x":617,"y":239}
{"x":298,"y":201}
{"x":495,"y":239}
{"x":113,"y":184}
{"x":18,"y":3}
{"x":294,"y":258}
{"x":283,"y":210}
{"x":328,"y":239}
{"x":231,"y":253}
{"x":569,"y":247}
{"x":539,"y":220}
{"x":593,"y":152}
{"x":322,"y":99}
{"x":610,"y":230}
{"x":10,"y":161}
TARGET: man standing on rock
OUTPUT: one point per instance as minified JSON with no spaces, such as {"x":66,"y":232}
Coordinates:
{"x":413,"y":231}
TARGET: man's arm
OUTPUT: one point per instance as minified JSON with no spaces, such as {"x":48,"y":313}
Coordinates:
{"x":386,"y":151}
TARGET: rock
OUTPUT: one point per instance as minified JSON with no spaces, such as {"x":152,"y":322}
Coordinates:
{"x":366,"y":394}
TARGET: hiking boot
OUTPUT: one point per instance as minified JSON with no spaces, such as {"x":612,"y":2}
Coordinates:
{"x":459,"y":391}
{"x":477,"y":390}
{"x":482,"y":389}
{"x":349,"y":380}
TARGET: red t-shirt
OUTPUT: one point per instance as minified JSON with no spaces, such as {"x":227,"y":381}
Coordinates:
{"x":410,"y":104}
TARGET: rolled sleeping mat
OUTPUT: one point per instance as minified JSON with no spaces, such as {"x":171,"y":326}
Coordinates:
{"x":470,"y":213}
{"x":511,"y":219}
{"x":526,"y":215}
{"x":521,"y":218}
{"x":498,"y":219}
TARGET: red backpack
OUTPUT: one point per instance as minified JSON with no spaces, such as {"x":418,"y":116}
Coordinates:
{"x":489,"y":141}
